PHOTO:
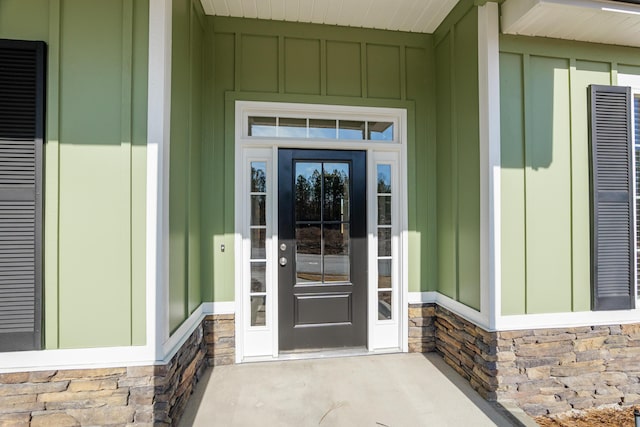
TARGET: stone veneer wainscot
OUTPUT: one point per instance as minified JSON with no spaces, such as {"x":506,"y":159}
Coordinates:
{"x":544,"y":371}
{"x":143,"y":396}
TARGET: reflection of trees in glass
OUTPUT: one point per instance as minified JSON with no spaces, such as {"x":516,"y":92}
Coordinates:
{"x":384,"y":186}
{"x":309,"y":199}
{"x":308,"y":196}
{"x":258,"y":180}
{"x":336,"y":193}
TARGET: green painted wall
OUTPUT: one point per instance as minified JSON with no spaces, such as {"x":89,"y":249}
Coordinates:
{"x":95,"y":165}
{"x":545,"y":168}
{"x":288,"y":62}
{"x":187,"y":95}
{"x":458,"y":156}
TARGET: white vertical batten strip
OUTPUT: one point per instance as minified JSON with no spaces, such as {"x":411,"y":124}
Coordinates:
{"x":158,"y":132}
{"x":489,"y":129}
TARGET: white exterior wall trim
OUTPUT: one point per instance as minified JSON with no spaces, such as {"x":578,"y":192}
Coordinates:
{"x":261,"y":343}
{"x":110,"y":357}
{"x":466,"y":312}
{"x":528,"y":321}
{"x":490,"y":198}
{"x":158,"y":134}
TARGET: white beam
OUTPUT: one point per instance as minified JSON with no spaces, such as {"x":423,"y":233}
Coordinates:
{"x":158,"y":131}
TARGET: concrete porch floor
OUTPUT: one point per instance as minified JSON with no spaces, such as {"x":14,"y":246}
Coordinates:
{"x":381,"y":390}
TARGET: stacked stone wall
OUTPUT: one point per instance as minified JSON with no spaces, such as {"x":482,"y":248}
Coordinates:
{"x":220,"y":339}
{"x":136,"y":395}
{"x":422,"y":331}
{"x":548,"y":371}
{"x":544,"y":371}
{"x":468,"y":349}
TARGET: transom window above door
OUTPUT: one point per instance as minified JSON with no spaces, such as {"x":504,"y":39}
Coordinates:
{"x":321,"y":128}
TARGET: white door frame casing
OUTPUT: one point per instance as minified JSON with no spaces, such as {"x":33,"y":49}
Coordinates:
{"x":261,"y":342}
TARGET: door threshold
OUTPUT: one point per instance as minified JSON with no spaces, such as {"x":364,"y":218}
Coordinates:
{"x":331,"y":353}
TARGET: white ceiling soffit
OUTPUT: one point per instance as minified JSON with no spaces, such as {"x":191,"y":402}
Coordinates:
{"x":419,"y":16}
{"x":610,"y":22}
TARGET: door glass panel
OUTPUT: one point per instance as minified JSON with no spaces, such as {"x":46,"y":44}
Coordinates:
{"x":308,"y":253}
{"x":308,"y":191}
{"x":380,"y":131}
{"x":292,"y":128}
{"x":258,"y":177}
{"x":384,"y":273}
{"x":322,"y":128}
{"x":384,"y":305}
{"x":258,"y":210}
{"x":349,"y":129}
{"x":262,"y":126}
{"x":384,"y":210}
{"x":258,"y":240}
{"x":258,"y":310}
{"x":384,"y":242}
{"x":336,"y":253}
{"x":336,"y":192}
{"x":258,"y":277}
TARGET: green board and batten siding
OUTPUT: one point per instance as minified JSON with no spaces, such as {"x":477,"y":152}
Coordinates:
{"x":545,"y":168}
{"x":95,"y":170}
{"x":458,"y":156}
{"x":187,"y":136}
{"x":289,"y":62}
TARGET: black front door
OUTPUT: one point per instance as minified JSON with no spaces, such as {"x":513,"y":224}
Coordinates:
{"x":322,"y":249}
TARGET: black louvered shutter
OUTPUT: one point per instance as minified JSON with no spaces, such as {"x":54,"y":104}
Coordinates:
{"x":612,"y":239}
{"x":22,"y":89}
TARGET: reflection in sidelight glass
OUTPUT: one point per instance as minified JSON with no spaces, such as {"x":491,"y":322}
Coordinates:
{"x":384,"y":179}
{"x":349,"y":129}
{"x":258,"y":310}
{"x":384,"y":273}
{"x":258,"y":240}
{"x":258,"y":210}
{"x":308,"y":191}
{"x":384,"y":210}
{"x":258,"y":276}
{"x":262,"y":126}
{"x":325,"y":129}
{"x":336,"y":191}
{"x":380,"y":131}
{"x":384,"y":305}
{"x":258,"y":177}
{"x":308,"y":253}
{"x":336,"y":253}
{"x":384,"y":241}
{"x":292,"y":128}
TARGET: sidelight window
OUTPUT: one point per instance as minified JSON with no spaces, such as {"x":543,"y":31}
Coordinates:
{"x":385,"y":253}
{"x":258,"y":233}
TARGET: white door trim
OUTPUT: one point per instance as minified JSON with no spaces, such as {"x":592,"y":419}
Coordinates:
{"x":261,"y":343}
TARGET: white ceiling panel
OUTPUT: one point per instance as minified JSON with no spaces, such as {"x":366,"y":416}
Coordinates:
{"x":250,"y":9}
{"x":333,"y":12}
{"x":420,"y":16}
{"x":277,"y":9}
{"x":598,"y":21}
{"x":306,"y":10}
{"x":291,"y":10}
{"x":235,"y":7}
{"x":264,"y":9}
{"x":319,"y":11}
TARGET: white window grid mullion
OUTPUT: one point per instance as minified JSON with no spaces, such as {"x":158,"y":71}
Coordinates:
{"x":389,"y":257}
{"x":247,"y":282}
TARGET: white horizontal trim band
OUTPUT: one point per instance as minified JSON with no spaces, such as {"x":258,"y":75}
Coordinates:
{"x":110,"y":357}
{"x":529,"y":321}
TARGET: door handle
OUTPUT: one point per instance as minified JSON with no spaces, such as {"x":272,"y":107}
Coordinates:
{"x":283,"y":261}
